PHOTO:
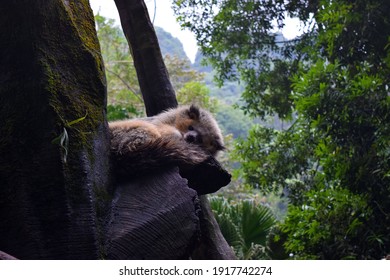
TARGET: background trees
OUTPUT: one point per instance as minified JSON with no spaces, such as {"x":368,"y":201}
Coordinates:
{"x":332,"y":85}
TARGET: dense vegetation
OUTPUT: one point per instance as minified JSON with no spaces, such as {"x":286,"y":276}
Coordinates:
{"x":332,"y":85}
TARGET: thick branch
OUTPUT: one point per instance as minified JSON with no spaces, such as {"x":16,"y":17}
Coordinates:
{"x":156,"y":88}
{"x":51,"y":76}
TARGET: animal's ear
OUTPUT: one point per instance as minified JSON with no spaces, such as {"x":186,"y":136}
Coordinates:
{"x":194,"y":112}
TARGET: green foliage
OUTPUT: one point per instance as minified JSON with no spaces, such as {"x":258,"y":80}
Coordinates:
{"x":236,"y":38}
{"x":196,"y":93}
{"x":332,"y":83}
{"x":63,"y":139}
{"x":180,"y":71}
{"x":330,"y":225}
{"x":124,"y":95}
{"x":245,"y":226}
{"x":233,"y":121}
{"x":280,"y":161}
{"x":120,"y":112}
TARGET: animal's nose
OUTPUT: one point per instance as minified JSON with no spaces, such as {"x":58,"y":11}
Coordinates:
{"x":191,"y":138}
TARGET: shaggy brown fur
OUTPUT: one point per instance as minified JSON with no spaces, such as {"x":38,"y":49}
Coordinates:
{"x":184,"y":136}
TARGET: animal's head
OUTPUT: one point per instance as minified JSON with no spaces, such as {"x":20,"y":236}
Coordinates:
{"x":199,"y":127}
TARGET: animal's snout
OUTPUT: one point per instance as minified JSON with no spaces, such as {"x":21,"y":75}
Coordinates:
{"x":193,"y":137}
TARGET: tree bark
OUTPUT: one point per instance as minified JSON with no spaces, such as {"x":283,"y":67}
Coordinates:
{"x":52,"y":197}
{"x":154,"y":217}
{"x":212,"y":244}
{"x":156,"y":88}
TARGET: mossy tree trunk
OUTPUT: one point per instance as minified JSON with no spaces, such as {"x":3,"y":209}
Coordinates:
{"x":52,"y":84}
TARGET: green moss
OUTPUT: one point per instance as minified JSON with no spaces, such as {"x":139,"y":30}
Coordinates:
{"x":85,"y":25}
{"x":72,"y":93}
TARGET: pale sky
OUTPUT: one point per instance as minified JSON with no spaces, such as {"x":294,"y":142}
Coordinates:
{"x":165,"y":18}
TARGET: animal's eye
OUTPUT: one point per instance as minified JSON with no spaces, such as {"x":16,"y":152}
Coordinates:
{"x":190,"y":127}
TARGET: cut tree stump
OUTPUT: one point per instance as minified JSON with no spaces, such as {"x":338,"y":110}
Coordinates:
{"x":154,"y":217}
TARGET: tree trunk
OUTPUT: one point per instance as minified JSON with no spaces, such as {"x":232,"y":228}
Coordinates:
{"x":156,"y":88}
{"x":158,"y":96}
{"x":212,"y":243}
{"x":51,"y":73}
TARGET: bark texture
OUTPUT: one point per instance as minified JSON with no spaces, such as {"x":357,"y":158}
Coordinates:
{"x":51,"y":75}
{"x":212,"y":244}
{"x":154,"y":217}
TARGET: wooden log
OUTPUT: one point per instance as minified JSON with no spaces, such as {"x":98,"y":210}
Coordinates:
{"x":153,"y":217}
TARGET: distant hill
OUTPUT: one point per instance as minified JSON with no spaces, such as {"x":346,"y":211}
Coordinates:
{"x":229,"y":93}
{"x":169,"y":44}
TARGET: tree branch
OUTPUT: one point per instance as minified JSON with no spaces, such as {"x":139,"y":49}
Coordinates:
{"x":156,"y":88}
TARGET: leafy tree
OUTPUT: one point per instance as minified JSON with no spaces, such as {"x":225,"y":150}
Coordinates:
{"x":196,"y":93}
{"x":237,"y":39}
{"x":328,"y":225}
{"x":181,"y":72}
{"x":332,"y":83}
